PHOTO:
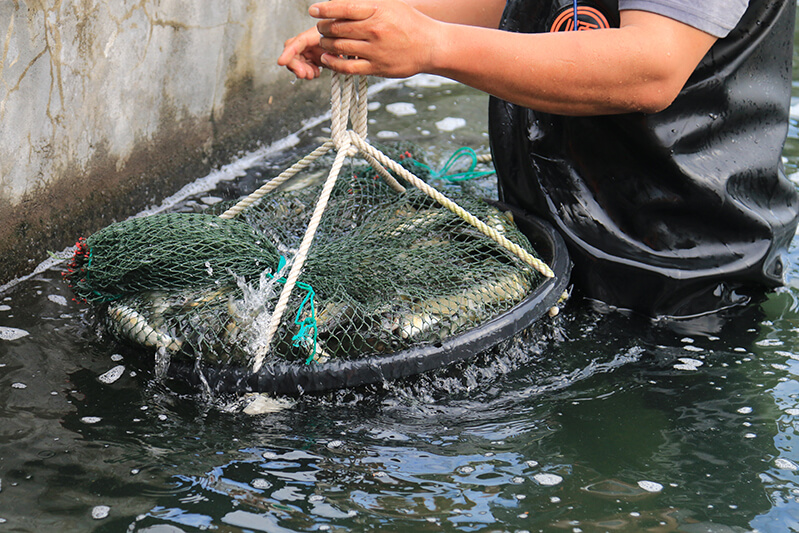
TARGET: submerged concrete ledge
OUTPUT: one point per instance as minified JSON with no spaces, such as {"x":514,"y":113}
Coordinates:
{"x":108,"y":106}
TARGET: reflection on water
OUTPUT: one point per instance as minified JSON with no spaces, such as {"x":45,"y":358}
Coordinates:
{"x":592,"y":421}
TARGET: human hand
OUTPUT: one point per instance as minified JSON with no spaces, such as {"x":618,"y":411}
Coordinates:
{"x":301,"y":54}
{"x":385,"y":38}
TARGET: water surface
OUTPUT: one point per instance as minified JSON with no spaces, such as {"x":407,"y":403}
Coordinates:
{"x":592,"y":421}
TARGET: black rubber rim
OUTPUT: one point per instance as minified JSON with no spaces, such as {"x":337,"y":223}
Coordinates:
{"x":294,"y":378}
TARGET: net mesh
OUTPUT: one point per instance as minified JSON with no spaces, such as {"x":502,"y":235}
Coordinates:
{"x":387,"y":271}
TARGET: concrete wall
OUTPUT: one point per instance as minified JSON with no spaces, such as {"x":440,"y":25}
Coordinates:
{"x":107,"y":106}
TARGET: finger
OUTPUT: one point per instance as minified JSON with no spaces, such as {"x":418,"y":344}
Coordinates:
{"x":347,"y":66}
{"x":344,"y":47}
{"x":344,"y":9}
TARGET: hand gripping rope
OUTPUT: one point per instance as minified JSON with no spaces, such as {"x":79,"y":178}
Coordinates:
{"x":349,"y":104}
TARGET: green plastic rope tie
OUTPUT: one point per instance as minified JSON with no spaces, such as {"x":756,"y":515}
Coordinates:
{"x":307,"y":334}
{"x":446,"y":172}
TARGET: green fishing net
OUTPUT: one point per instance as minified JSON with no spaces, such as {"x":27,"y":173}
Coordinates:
{"x":387,"y":271}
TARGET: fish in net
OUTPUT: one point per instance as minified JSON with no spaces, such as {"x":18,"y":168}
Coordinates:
{"x":390,"y":268}
{"x":388,"y":271}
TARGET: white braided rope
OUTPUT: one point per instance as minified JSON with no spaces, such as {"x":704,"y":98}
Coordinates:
{"x":275,"y":182}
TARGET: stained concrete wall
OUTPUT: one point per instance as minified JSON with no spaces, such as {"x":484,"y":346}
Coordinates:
{"x":107,"y":106}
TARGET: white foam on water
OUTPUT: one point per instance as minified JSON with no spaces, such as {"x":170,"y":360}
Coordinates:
{"x":548,"y":479}
{"x":18,"y":385}
{"x":650,"y":486}
{"x":57,"y":299}
{"x":401,"y":109}
{"x":5,"y":307}
{"x":100,"y":511}
{"x":687,"y":363}
{"x":450,"y":123}
{"x":427,"y":81}
{"x":90,"y":419}
{"x":745,"y":410}
{"x":112,"y":375}
{"x":12,"y":334}
{"x":260,"y":483}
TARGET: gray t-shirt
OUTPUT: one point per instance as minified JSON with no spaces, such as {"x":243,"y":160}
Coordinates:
{"x":716,"y":17}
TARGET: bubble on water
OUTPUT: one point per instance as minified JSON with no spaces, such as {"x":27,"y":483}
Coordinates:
{"x":162,"y":417}
{"x":739,"y":349}
{"x":19,"y":385}
{"x":769,"y":342}
{"x":261,"y":483}
{"x":750,"y":435}
{"x":650,"y":486}
{"x":786,"y":464}
{"x":100,"y":511}
{"x":687,"y":363}
{"x":3,"y":520}
{"x":112,"y":375}
{"x":57,"y":299}
{"x":12,"y":334}
{"x":745,"y":410}
{"x":450,"y":123}
{"x":387,"y":134}
{"x":779,"y":366}
{"x":692,"y":348}
{"x":134,"y":471}
{"x":90,"y":419}
{"x":373,"y":106}
{"x":531,"y":463}
{"x":428,"y":81}
{"x":518,"y":480}
{"x":548,"y":479}
{"x":792,"y":411}
{"x":401,"y":109}
{"x":465,"y":469}
{"x":316,"y":498}
{"x":687,"y":340}
{"x":116,"y":357}
{"x":211,"y":200}
{"x":380,"y":474}
{"x":269,"y":455}
{"x":5,"y":307}
{"x":333,"y":444}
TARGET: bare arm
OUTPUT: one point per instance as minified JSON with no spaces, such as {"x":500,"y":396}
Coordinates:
{"x":302,"y":53}
{"x":640,"y":66}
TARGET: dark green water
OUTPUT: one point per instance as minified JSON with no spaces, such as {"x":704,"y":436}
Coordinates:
{"x":594,"y":421}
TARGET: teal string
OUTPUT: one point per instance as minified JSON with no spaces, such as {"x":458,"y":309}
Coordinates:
{"x":303,"y":336}
{"x":446,"y":172}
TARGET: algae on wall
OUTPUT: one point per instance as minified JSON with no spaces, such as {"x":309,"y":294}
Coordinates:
{"x":107,"y":106}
